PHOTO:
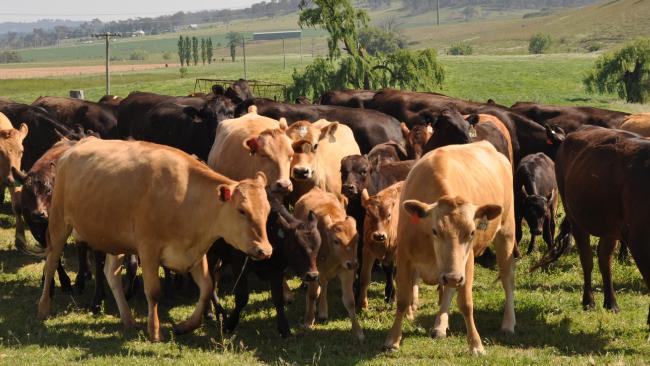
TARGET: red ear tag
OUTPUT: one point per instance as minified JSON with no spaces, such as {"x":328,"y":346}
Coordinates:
{"x":415,"y":219}
{"x":225,"y":194}
{"x":253,"y":145}
{"x":548,"y":141}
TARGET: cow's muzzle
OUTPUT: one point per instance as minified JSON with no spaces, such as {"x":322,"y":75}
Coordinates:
{"x":301,"y":173}
{"x":351,"y":264}
{"x":311,"y":276}
{"x":260,"y":252}
{"x":452,"y":279}
{"x":349,"y":190}
{"x":379,"y":236}
{"x":283,"y":186}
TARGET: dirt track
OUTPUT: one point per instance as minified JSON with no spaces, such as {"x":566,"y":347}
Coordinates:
{"x":39,"y":72}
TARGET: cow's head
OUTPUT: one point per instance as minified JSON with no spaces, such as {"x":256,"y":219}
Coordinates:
{"x":377,"y":229}
{"x":303,"y":163}
{"x":244,"y":214}
{"x":449,"y":128}
{"x":11,"y":151}
{"x":272,"y":152}
{"x":451,"y":225}
{"x":416,"y":138}
{"x":218,"y":108}
{"x":535,"y":208}
{"x":301,"y":243}
{"x":355,"y":175}
{"x":554,"y":138}
{"x":342,"y":238}
{"x":239,"y":91}
{"x":35,"y":200}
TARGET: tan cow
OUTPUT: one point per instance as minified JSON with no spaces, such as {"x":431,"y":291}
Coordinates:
{"x":251,"y":143}
{"x":637,"y":123}
{"x":478,"y":119}
{"x":379,"y":234}
{"x":318,"y":150}
{"x":337,"y":255}
{"x":132,"y":197}
{"x":456,"y":200}
{"x":11,"y":153}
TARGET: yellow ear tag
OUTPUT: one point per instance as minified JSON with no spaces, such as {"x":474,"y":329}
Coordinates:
{"x":482,"y":224}
{"x":472,"y":131}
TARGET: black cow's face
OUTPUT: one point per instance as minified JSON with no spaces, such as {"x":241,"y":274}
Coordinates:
{"x":218,"y":108}
{"x":448,"y":129}
{"x":35,"y":199}
{"x":355,"y":175}
{"x":536,"y":208}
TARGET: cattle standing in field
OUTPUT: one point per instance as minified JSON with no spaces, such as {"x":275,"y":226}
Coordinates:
{"x":456,"y":200}
{"x":112,"y":100}
{"x":347,"y":98}
{"x":536,"y":198}
{"x":295,"y":246}
{"x":416,"y":138}
{"x":337,"y":255}
{"x":11,"y":154}
{"x":379,"y":234}
{"x":318,"y":150}
{"x":44,"y":130}
{"x":569,"y":118}
{"x":253,"y":143}
{"x":603,"y":177}
{"x":637,"y":123}
{"x":369,"y":127}
{"x":172,"y":220}
{"x":98,"y":117}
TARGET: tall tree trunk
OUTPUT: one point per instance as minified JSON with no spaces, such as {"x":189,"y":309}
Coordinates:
{"x":633,"y":89}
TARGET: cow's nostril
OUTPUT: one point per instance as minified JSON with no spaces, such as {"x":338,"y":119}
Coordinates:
{"x":379,"y":237}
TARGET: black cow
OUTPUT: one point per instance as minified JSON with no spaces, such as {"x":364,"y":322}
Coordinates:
{"x":570,"y":118}
{"x":370,"y":128}
{"x":347,"y":98}
{"x":98,"y":117}
{"x":536,"y":198}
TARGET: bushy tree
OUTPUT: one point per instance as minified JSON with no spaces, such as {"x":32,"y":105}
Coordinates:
{"x":358,"y":68}
{"x":376,"y":40}
{"x":625,"y":71}
{"x":181,"y":50}
{"x":460,"y":49}
{"x":233,"y":39}
{"x":539,"y":43}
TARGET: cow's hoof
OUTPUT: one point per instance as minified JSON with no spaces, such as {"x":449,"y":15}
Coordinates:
{"x":156,"y":338}
{"x":508,"y":331}
{"x":477,"y":351}
{"x":286,"y":334}
{"x":321,"y":320}
{"x":613,"y":308}
{"x":439,"y":333}
{"x":391,"y":348}
{"x":588,"y":306}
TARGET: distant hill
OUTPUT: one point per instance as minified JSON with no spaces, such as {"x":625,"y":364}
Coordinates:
{"x":45,"y":24}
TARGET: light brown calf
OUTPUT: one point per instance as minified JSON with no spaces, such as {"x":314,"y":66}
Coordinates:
{"x":11,"y":153}
{"x":337,"y":255}
{"x":637,"y":123}
{"x":455,"y":201}
{"x":130,"y":197}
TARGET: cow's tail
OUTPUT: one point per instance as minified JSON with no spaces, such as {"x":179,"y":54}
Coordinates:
{"x":21,"y":245}
{"x":563,"y":243}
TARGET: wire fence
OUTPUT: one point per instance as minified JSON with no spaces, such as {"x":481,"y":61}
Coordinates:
{"x":261,"y":89}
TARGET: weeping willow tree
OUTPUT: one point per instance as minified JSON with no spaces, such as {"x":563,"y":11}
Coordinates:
{"x":349,"y":65}
{"x":625,"y":71}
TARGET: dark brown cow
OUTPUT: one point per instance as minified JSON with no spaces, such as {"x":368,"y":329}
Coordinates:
{"x":603,"y":179}
{"x":416,"y":138}
{"x":98,"y":117}
{"x":347,"y":98}
{"x":112,"y":100}
{"x":239,"y":91}
{"x":570,"y":118}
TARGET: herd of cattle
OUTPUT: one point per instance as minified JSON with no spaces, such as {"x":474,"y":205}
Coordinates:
{"x":421,"y":183}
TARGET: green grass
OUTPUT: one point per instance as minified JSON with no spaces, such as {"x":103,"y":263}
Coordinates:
{"x":551,"y":328}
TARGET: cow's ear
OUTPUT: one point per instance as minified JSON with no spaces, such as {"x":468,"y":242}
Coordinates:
{"x":261,"y":178}
{"x":19,"y":175}
{"x":417,"y":208}
{"x":405,"y":130}
{"x":552,"y":196}
{"x":252,"y":145}
{"x":23,"y":130}
{"x":312,"y":219}
{"x":191,"y":111}
{"x":225,"y":193}
{"x":365,"y":197}
{"x":489,"y":212}
{"x":524,"y":193}
{"x":491,"y":101}
{"x":554,"y":135}
{"x":327,"y":221}
{"x":285,"y":224}
{"x":283,"y":124}
{"x":473,"y":119}
{"x":218,"y":90}
{"x":329,"y":131}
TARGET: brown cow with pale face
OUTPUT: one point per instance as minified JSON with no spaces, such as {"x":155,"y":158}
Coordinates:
{"x":159,"y":203}
{"x":416,"y":138}
{"x":456,"y":200}
{"x":11,"y":153}
{"x":337,"y":255}
{"x":250,"y":144}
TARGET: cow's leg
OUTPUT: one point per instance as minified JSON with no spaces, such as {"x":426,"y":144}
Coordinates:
{"x":323,"y":312}
{"x":405,"y":280}
{"x":313,"y":292}
{"x":347,"y":289}
{"x":639,"y":244}
{"x":277,"y":284}
{"x":389,"y":290}
{"x":56,"y":236}
{"x":549,"y":232}
{"x":442,"y":318}
{"x":19,"y":236}
{"x":168,"y":283}
{"x":504,"y":242}
{"x":466,"y":306}
{"x":605,"y":250}
{"x":587,"y":261}
{"x":364,"y":281}
{"x":241,"y":298}
{"x":64,"y":279}
{"x":531,"y":245}
{"x":113,"y":273}
{"x":518,"y":231}
{"x":286,"y":292}
{"x":201,"y":276}
{"x":82,"y":257}
{"x":131,"y":264}
{"x":151,"y":281}
{"x":623,"y":252}
{"x":100,"y":260}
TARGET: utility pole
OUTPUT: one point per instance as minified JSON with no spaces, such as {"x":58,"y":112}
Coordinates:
{"x":284,"y":56}
{"x":301,"y":47}
{"x":107,"y":36}
{"x":438,"y":12}
{"x":243,"y":45}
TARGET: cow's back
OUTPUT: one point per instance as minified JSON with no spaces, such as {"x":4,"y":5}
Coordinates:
{"x":329,"y":154}
{"x":638,"y":123}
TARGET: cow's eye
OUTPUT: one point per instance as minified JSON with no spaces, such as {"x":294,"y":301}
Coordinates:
{"x":363,"y":173}
{"x":337,"y":242}
{"x":388,"y":216}
{"x":242,"y":212}
{"x":315,"y":146}
{"x":435,"y":233}
{"x":471,"y":235}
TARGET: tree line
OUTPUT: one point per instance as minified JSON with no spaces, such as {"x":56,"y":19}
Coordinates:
{"x":191,"y":50}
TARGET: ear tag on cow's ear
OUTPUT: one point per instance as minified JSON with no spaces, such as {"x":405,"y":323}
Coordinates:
{"x":548,"y":139}
{"x":472,"y":131}
{"x":415,"y":219}
{"x":281,"y":233}
{"x":225,"y":194}
{"x":302,"y":131}
{"x":482,"y":223}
